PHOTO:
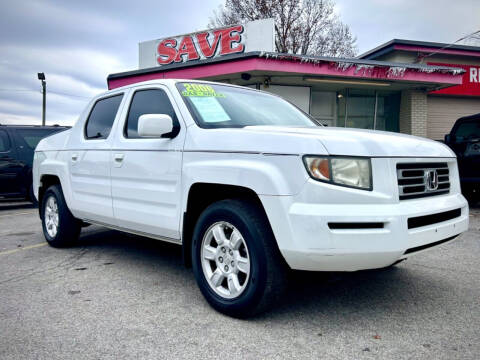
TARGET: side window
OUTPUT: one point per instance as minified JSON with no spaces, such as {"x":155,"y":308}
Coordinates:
{"x":4,"y":141}
{"x":100,"y":120}
{"x":153,"y":101}
{"x":467,"y":131}
{"x":33,"y":136}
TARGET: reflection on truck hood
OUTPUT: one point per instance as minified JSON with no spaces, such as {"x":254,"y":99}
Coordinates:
{"x":345,"y":141}
{"x":321,"y":140}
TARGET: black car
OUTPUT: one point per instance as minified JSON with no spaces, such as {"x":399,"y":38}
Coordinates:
{"x":464,"y":140}
{"x":17,"y":145}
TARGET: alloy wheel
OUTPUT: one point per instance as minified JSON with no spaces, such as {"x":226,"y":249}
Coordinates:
{"x":225,"y":260}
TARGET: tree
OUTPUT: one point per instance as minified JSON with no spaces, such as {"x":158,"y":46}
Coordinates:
{"x":307,"y":27}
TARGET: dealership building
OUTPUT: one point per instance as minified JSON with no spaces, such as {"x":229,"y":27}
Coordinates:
{"x":403,"y":86}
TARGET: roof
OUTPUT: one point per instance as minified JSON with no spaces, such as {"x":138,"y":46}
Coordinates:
{"x":344,"y":63}
{"x":389,"y":46}
{"x":469,"y":117}
{"x":56,"y":126}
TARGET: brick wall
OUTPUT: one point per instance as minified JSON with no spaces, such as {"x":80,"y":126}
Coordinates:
{"x":413,"y":112}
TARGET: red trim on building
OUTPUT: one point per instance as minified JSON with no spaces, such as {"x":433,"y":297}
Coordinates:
{"x":470,"y":81}
{"x":328,"y":69}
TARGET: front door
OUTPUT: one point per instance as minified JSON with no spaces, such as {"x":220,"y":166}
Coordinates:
{"x":146,"y":173}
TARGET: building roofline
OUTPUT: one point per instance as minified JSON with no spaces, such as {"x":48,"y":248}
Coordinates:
{"x":175,"y":66}
{"x":282,"y":56}
{"x":389,"y":46}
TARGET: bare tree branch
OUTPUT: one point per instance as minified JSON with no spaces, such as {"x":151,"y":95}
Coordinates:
{"x":307,"y":27}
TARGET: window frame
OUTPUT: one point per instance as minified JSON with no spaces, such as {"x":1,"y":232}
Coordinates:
{"x":132,"y":96}
{"x":93,"y":107}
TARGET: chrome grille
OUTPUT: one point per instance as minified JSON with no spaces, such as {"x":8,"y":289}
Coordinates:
{"x":416,"y":180}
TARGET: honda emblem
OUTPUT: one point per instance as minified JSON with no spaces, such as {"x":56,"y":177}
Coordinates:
{"x":431,"y":179}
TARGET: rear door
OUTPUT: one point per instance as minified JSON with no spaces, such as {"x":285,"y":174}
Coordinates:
{"x":89,"y":161}
{"x":146,"y":173}
{"x":10,"y":166}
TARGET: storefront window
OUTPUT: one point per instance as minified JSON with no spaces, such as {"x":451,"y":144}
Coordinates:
{"x":360,"y":109}
{"x":388,"y":110}
{"x":368,"y":109}
{"x":323,"y":107}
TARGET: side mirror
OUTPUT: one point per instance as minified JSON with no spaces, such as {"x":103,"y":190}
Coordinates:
{"x":448,"y":139}
{"x":154,"y":125}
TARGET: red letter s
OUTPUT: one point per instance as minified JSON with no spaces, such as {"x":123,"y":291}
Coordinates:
{"x":166,"y":51}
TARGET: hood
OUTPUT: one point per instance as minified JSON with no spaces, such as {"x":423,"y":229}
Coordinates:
{"x":317,"y":140}
{"x":359,"y":142}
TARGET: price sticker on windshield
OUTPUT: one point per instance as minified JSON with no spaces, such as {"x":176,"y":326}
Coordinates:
{"x":200,"y":90}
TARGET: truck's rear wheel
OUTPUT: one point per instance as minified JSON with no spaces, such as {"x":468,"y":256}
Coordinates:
{"x":236,"y":262}
{"x":60,"y":228}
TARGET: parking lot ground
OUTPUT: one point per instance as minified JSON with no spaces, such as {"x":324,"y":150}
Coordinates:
{"x":117,"y":296}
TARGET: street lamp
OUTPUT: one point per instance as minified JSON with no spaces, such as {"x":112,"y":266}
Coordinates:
{"x":41,"y":76}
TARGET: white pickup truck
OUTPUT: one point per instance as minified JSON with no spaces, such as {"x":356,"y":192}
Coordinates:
{"x":247,"y":184}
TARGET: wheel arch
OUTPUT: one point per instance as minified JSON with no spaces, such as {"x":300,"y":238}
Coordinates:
{"x":46,"y":180}
{"x":200,"y":196}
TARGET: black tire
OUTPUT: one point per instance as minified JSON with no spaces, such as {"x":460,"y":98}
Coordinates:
{"x":472,"y":196}
{"x":268,"y":270}
{"x":68,"y":226}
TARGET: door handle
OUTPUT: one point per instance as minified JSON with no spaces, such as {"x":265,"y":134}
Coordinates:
{"x":118,"y":159}
{"x":74,"y":157}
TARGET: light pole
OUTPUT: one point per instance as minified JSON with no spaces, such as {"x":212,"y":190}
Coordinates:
{"x":41,"y":76}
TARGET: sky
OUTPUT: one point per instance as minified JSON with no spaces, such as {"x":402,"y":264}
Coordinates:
{"x":78,"y":43}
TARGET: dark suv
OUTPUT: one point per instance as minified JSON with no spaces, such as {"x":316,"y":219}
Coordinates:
{"x":464,"y":139}
{"x":17,"y":144}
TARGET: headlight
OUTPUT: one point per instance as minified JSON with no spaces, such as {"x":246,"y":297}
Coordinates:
{"x":344,"y":171}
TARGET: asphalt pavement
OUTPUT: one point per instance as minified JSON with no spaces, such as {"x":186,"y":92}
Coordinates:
{"x":119,"y":296}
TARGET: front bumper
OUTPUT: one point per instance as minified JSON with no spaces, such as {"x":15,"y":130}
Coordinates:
{"x":307,"y":242}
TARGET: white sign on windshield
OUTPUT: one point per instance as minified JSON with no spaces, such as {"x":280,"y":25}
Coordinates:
{"x":210,"y":109}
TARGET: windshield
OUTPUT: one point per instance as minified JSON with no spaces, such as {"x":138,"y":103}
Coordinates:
{"x":220,"y":106}
{"x":468,"y":131}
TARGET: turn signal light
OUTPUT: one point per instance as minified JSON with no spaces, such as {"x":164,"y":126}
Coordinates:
{"x":319,"y":168}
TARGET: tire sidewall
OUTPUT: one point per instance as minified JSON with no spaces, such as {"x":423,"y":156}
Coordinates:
{"x":52,"y":191}
{"x":253,"y":292}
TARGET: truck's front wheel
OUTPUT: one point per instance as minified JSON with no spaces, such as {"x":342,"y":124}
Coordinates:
{"x":60,"y":227}
{"x":235,"y":259}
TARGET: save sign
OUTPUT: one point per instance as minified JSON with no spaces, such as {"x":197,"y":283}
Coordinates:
{"x":255,"y":35}
{"x":202,"y":45}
